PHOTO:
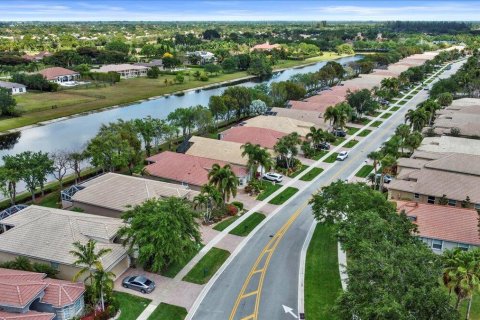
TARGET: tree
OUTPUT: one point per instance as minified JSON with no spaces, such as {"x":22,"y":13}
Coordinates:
{"x":345,"y":48}
{"x":89,"y":258}
{"x":287,"y":149}
{"x":34,"y":168}
{"x":217,"y":107}
{"x":258,"y":107}
{"x":387,"y":163}
{"x":146,"y":128}
{"x":431,"y":107}
{"x":212,"y":68}
{"x":413,"y":141}
{"x":239,"y":98}
{"x":362,"y":101}
{"x":208,"y":198}
{"x":376,"y":156}
{"x":118,"y":45}
{"x":403,"y":131}
{"x":445,"y":99}
{"x":183,"y":118}
{"x":259,"y":66}
{"x":418,"y":118}
{"x":162,"y":232}
{"x":104,"y":283}
{"x":179,"y":78}
{"x":153,"y":72}
{"x":109,"y":151}
{"x":392,"y":85}
{"x":258,"y":157}
{"x":229,"y":65}
{"x":224,"y":179}
{"x":10,"y":175}
{"x":7,"y":103}
{"x":75,"y":160}
{"x":60,"y":165}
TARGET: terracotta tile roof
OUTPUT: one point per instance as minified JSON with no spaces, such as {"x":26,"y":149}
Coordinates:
{"x":118,"y":191}
{"x":19,"y":294}
{"x":54,"y":72}
{"x":60,"y":293}
{"x":185,"y":168}
{"x":264,"y":137}
{"x":20,"y":275}
{"x":265,"y":46}
{"x":443,"y":222}
{"x":30,"y":315}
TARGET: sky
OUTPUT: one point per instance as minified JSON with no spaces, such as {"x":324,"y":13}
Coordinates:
{"x":237,"y":10}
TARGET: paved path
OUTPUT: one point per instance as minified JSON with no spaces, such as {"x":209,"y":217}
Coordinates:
{"x":261,"y":276}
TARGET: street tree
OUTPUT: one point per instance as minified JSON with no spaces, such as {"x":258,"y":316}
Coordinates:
{"x":224,"y":179}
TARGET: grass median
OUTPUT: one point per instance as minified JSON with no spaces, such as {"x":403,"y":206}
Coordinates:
{"x":244,"y":228}
{"x":284,"y":196}
{"x":131,"y":306}
{"x":225,"y":223}
{"x":331,"y":158}
{"x":322,"y":277}
{"x":207,"y":266}
{"x":351,"y":144}
{"x":364,"y":171}
{"x":386,"y":115}
{"x":269,"y":189}
{"x":376,"y":124}
{"x":166,"y":311}
{"x":310,"y":175}
{"x":352,"y":130}
{"x":364,"y":133}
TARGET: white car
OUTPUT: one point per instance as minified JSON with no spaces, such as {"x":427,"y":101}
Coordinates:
{"x":272,"y":176}
{"x":342,"y":155}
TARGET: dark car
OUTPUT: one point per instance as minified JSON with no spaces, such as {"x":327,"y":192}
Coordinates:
{"x":139,"y":283}
{"x":323,"y":146}
{"x":339,"y":133}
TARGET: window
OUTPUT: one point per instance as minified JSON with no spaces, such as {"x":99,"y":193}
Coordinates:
{"x":452,"y":202}
{"x":416,"y":196}
{"x":54,"y":265}
{"x":477,"y":206}
{"x":437,"y":244}
{"x":463,"y":247}
{"x":431,"y":199}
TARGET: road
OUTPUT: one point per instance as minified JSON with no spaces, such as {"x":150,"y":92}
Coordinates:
{"x":263,"y":277}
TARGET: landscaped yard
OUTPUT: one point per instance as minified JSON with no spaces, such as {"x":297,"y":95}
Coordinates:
{"x":331,"y":158}
{"x":351,"y":143}
{"x":207,"y":266}
{"x":175,"y":268}
{"x":225,"y":223}
{"x":319,"y":154}
{"x":376,"y":124}
{"x":244,"y":228}
{"x":310,"y":175}
{"x":364,"y":133}
{"x":284,"y":196}
{"x":386,"y":115}
{"x":166,"y":311}
{"x":296,"y":173}
{"x":364,"y":171}
{"x":269,"y":189}
{"x":322,"y":277}
{"x":131,"y":306}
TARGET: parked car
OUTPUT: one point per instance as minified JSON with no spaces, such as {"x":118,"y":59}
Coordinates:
{"x":342,"y":155}
{"x":386,"y":178}
{"x":339,"y":133}
{"x":323,"y":146}
{"x":139,"y":283}
{"x":272,"y":176}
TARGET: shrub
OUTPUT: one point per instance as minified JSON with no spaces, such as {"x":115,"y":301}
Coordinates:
{"x":153,"y":72}
{"x":231,"y":210}
{"x":455,"y":132}
{"x":238,"y":204}
{"x":203,"y":77}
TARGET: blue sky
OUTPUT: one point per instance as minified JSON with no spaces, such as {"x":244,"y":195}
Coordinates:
{"x":227,"y":10}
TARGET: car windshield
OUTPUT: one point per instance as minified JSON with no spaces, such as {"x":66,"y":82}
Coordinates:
{"x":148,"y":282}
{"x":141,"y":279}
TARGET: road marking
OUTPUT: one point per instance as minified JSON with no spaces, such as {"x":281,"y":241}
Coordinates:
{"x":289,"y":310}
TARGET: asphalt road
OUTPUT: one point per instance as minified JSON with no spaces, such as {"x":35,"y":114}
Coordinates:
{"x":264,"y":275}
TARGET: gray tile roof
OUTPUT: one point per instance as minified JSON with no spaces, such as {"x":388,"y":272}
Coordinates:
{"x":11,"y":85}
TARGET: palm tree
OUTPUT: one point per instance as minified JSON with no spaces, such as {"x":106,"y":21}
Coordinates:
{"x":331,"y":114}
{"x":316,"y":136}
{"x":392,"y":85}
{"x":208,"y":198}
{"x":88,"y":257}
{"x":413,"y":141}
{"x":224,"y":179}
{"x":417,"y":118}
{"x":376,"y":156}
{"x":431,"y":107}
{"x":257,"y":157}
{"x":387,"y":163}
{"x":403,"y":131}
{"x":104,"y":281}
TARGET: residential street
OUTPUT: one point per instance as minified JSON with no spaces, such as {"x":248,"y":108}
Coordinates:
{"x":264,"y":275}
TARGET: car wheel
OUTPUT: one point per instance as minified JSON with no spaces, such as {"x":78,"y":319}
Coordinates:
{"x":125,"y":285}
{"x":143,"y":291}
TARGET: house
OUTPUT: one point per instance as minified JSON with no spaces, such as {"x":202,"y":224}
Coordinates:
{"x":15,"y":88}
{"x":188,"y":169}
{"x":124,"y":70}
{"x":59,"y":75}
{"x":226,"y":151}
{"x":449,"y":144}
{"x":266,"y":138}
{"x":31,"y":295}
{"x":46,"y":235}
{"x":154,"y":63}
{"x":303,"y":115}
{"x":428,"y":177}
{"x":281,"y":124}
{"x":37,"y":57}
{"x":443,"y":227}
{"x":111,"y":194}
{"x":203,"y":56}
{"x":265,"y":47}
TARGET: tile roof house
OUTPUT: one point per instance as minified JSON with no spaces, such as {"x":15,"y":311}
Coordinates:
{"x":59,"y":74}
{"x":14,"y":88}
{"x":443,"y":227}
{"x":46,"y":235}
{"x":467,"y":123}
{"x":303,"y":115}
{"x":265,"y":47}
{"x":226,"y":151}
{"x":111,"y":194}
{"x":124,"y":70}
{"x":266,"y":138}
{"x":428,"y":180}
{"x":30,"y":295}
{"x":188,"y":169}
{"x":37,"y":57}
{"x":281,"y":124}
{"x":450,"y":144}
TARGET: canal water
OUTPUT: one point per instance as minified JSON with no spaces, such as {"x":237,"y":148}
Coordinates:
{"x":74,"y":133}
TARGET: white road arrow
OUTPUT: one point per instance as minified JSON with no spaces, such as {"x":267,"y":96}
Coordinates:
{"x":289,"y":310}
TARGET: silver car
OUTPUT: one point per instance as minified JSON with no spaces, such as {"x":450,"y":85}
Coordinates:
{"x":139,"y":283}
{"x":272,"y":176}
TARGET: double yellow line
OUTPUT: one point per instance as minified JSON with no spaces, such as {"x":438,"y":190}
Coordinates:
{"x":259,"y":268}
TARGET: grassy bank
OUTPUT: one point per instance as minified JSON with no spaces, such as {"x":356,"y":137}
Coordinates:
{"x":322,"y":278}
{"x":45,"y":106}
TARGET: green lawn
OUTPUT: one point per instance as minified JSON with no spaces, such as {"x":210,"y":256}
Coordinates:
{"x":244,"y":228}
{"x":322,"y":277}
{"x":331,"y":158}
{"x":376,"y":124}
{"x":284,"y":196}
{"x":351,"y":143}
{"x":386,"y":115}
{"x":364,"y":133}
{"x":402,"y":102}
{"x":175,"y":268}
{"x":51,"y":200}
{"x":319,"y":154}
{"x":364,"y":171}
{"x":207,"y":266}
{"x":365,"y":121}
{"x":166,"y":311}
{"x":309,"y":176}
{"x":269,"y":189}
{"x":375,"y":114}
{"x":296,"y":173}
{"x":225,"y":223}
{"x":395,"y":108}
{"x":338,"y":141}
{"x":352,"y":130}
{"x":131,"y":306}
